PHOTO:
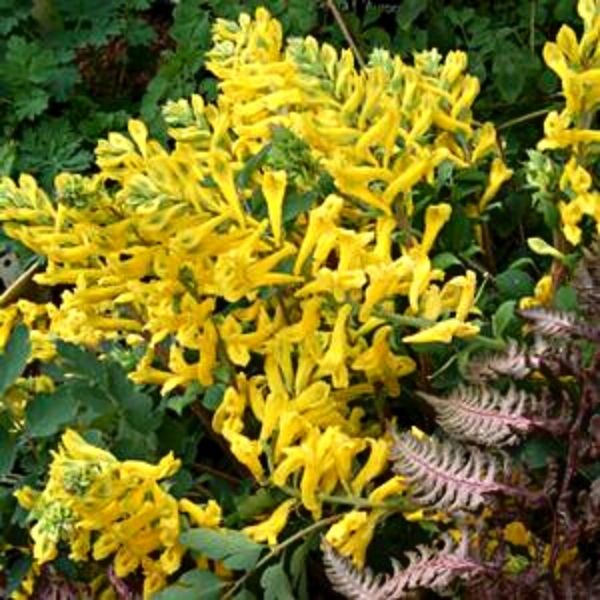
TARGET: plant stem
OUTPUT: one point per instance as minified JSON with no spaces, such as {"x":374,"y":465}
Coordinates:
{"x":344,"y":28}
{"x":277,"y":549}
{"x":524,"y":118}
{"x":354,"y":501}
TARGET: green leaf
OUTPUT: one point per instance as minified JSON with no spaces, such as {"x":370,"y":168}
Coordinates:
{"x":16,"y":574}
{"x":536,"y":451}
{"x":254,"y":163}
{"x":136,"y":406}
{"x":78,"y":361}
{"x":296,"y":203}
{"x":213,"y":396}
{"x":503,"y":316}
{"x":236,"y":550}
{"x":180,"y":402}
{"x":30,"y":105}
{"x":514,"y":284}
{"x":444,"y":260}
{"x":276,"y":584}
{"x":258,"y":503}
{"x":298,"y":571}
{"x":193,"y":585}
{"x":8,"y":451}
{"x":566,"y":299}
{"x":47,"y":414}
{"x":509,"y":72}
{"x":408,"y":11}
{"x":50,"y":147}
{"x":14,"y":359}
{"x":12,"y":13}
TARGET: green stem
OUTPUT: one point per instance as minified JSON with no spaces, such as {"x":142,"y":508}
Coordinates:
{"x":345,"y":31}
{"x":524,"y":118}
{"x":278,"y":549}
{"x":355,"y":501}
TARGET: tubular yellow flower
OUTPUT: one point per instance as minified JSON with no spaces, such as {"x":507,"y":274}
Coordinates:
{"x":379,"y":363}
{"x":334,"y":361}
{"x":498,"y":175}
{"x":435,"y":218}
{"x":273,"y":187}
{"x":352,"y":534}
{"x":268,"y":530}
{"x":442,"y":332}
{"x":376,"y":463}
{"x":202,"y":516}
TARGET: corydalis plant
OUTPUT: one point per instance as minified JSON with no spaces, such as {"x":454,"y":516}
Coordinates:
{"x":552,"y":396}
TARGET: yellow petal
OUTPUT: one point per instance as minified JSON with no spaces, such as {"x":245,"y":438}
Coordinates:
{"x":273,"y":188}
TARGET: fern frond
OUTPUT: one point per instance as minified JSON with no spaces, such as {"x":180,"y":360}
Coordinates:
{"x":587,"y":281}
{"x":445,"y":474}
{"x":428,"y":567}
{"x":347,"y":580}
{"x":514,"y":362}
{"x":484,"y":415}
{"x":554,"y":323}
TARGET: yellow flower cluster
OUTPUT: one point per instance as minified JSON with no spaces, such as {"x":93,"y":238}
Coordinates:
{"x":577,"y":63}
{"x":207,"y":254}
{"x":102,"y":507}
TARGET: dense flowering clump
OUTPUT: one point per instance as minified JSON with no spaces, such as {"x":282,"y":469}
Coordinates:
{"x":570,"y":133}
{"x":562,"y":169}
{"x":269,"y":243}
{"x":102,"y":507}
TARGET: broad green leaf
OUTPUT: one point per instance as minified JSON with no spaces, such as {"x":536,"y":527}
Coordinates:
{"x":14,"y":359}
{"x":509,"y":72}
{"x":260,"y":502}
{"x":236,"y":550}
{"x":78,"y":361}
{"x":8,"y":451}
{"x":408,"y":11}
{"x":566,"y":299}
{"x":180,"y":402}
{"x":444,"y":260}
{"x":298,"y":571}
{"x":47,"y":414}
{"x":213,"y":396}
{"x":276,"y":584}
{"x":193,"y":585}
{"x":136,"y":406}
{"x":514,"y":284}
{"x":503,"y":316}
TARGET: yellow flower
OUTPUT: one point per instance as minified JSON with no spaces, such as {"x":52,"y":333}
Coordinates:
{"x":352,"y":534}
{"x":379,"y":363}
{"x":247,"y":452}
{"x":589,"y":11}
{"x":208,"y":515}
{"x":516,"y":533}
{"x":436,"y":217}
{"x":498,"y":175}
{"x":442,"y":332}
{"x":542,"y":295}
{"x":376,"y":463}
{"x":334,"y":360}
{"x":273,"y":187}
{"x":268,"y":530}
{"x":392,"y":487}
{"x":321,"y":220}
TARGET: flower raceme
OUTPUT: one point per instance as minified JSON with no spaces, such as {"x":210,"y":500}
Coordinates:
{"x":102,"y":507}
{"x":272,"y":240}
{"x":569,"y":134}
